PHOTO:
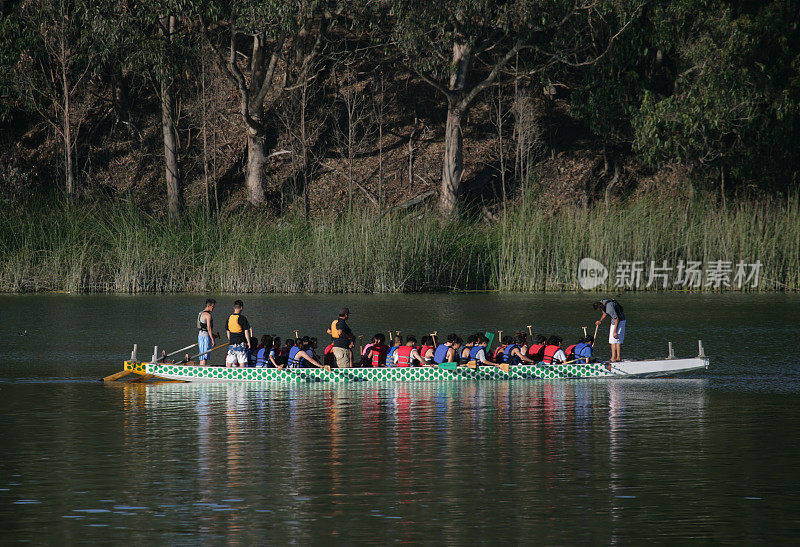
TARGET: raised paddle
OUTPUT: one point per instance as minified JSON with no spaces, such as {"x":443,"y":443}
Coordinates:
{"x":530,"y":332}
{"x":203,"y":353}
{"x":584,"y":332}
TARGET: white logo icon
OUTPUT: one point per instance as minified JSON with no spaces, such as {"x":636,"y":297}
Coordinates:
{"x":591,"y":274}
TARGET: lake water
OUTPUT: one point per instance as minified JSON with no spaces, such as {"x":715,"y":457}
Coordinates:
{"x":710,"y":456}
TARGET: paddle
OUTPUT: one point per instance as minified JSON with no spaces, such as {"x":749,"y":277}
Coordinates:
{"x":584,"y":332}
{"x":174,"y":352}
{"x":594,"y":339}
{"x":530,"y":332}
{"x":203,"y":353}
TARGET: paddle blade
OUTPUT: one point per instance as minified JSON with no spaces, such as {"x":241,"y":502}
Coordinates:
{"x":503,"y":367}
{"x":472,"y":364}
{"x":448,"y":366}
{"x":490,"y":336}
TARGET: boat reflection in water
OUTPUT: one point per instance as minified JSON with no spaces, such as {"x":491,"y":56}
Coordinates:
{"x":413,"y":461}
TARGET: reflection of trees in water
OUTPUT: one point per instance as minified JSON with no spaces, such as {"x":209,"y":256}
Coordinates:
{"x":323,"y":458}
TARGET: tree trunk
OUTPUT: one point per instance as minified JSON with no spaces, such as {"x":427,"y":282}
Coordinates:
{"x":256,"y":160}
{"x":69,"y":164}
{"x":453,"y":164}
{"x":174,"y":198}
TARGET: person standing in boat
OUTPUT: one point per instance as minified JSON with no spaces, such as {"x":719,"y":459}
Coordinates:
{"x":343,"y":339}
{"x":238,"y":330}
{"x":205,"y":325}
{"x":616,"y":334}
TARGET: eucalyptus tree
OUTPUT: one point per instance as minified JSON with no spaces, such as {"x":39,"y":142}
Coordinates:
{"x":148,"y":38}
{"x":280,"y":43}
{"x":52,"y":70}
{"x":462,"y":47}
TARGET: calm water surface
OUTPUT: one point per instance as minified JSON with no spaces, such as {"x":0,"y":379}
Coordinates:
{"x":709,"y":457}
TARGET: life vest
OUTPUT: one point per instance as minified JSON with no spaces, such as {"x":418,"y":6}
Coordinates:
{"x":570,"y":350}
{"x":201,"y":325}
{"x":440,"y":354}
{"x":549,"y":351}
{"x":261,"y":357}
{"x":536,"y":352}
{"x":335,"y":332}
{"x":473,"y":353}
{"x":294,"y":361}
{"x":583,"y":352}
{"x":507,"y":357}
{"x":310,"y":353}
{"x":366,"y":348}
{"x":461,"y":359}
{"x":497,"y":352}
{"x":404,"y":356}
{"x":424,"y":350}
{"x":379,"y":354}
{"x":328,"y":348}
{"x":233,"y":324}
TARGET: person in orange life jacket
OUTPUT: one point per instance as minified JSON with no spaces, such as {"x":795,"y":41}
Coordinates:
{"x":396,"y":343}
{"x":302,"y":353}
{"x":478,"y":351}
{"x":463,"y":352}
{"x":343,"y":339}
{"x":426,"y":351}
{"x":448,"y":351}
{"x":553,"y":354}
{"x":376,"y":354}
{"x":239,"y":332}
{"x":405,"y":355}
{"x":583,"y":351}
{"x":536,"y":351}
{"x":514,"y":354}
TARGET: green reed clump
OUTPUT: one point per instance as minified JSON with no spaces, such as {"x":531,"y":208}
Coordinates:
{"x":52,"y":245}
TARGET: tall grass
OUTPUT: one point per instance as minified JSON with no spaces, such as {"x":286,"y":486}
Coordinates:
{"x":118,"y":248}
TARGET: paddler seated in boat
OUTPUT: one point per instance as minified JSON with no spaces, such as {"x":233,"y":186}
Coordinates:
{"x":478,"y":351}
{"x":405,"y":355}
{"x":570,"y":351}
{"x":238,"y":330}
{"x":262,"y":352}
{"x":365,"y":360}
{"x":396,"y":343}
{"x":497,"y":354}
{"x":426,"y":351}
{"x":283,"y":355}
{"x":513,"y":354}
{"x":463,"y":352}
{"x":298,"y":354}
{"x":536,"y":351}
{"x":448,"y":351}
{"x":376,"y":354}
{"x":583,"y":351}
{"x":205,"y":324}
{"x":311,"y":351}
{"x":328,"y":357}
{"x":553,"y":354}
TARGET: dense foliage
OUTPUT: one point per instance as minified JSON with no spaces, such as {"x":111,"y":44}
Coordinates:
{"x":713,"y":86}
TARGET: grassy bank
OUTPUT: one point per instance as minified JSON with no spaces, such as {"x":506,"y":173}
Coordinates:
{"x":118,"y":248}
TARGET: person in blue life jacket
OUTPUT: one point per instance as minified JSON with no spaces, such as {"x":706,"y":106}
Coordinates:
{"x":396,"y":343}
{"x":298,"y":355}
{"x":463,"y":352}
{"x":583,"y":351}
{"x":447,"y":352}
{"x":513,"y":353}
{"x":478,"y":351}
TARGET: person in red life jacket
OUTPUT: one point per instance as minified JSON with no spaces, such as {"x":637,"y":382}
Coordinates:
{"x":497,"y":355}
{"x":536,"y":351}
{"x":426,"y":351}
{"x":478,"y":351}
{"x":405,"y":355}
{"x":553,"y":354}
{"x":570,"y":351}
{"x":376,"y":354}
{"x":448,"y":351}
{"x":513,"y":354}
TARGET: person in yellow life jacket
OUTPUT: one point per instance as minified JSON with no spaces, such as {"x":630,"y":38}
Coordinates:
{"x":238,"y":330}
{"x":343,"y":339}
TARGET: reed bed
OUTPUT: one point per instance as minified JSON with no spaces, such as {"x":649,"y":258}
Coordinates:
{"x":54,"y":246}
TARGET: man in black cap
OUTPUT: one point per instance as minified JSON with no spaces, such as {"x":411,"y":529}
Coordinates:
{"x":343,"y":339}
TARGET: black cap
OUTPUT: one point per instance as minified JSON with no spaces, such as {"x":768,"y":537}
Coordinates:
{"x":344,"y":311}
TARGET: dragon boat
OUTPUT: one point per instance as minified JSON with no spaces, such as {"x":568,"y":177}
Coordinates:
{"x":670,"y":366}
